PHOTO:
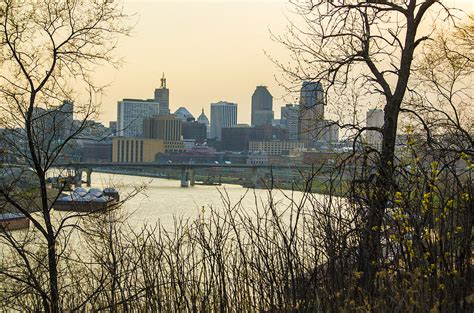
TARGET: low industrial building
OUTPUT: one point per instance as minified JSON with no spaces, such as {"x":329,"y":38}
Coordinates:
{"x":237,"y":138}
{"x":257,"y":159}
{"x":275,"y":147}
{"x":96,"y":152}
{"x":136,"y":150}
{"x":323,"y":157}
{"x":175,"y":146}
{"x":194,"y":130}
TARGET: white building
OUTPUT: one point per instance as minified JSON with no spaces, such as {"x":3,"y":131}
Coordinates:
{"x":223,"y":114}
{"x":130,"y":115}
{"x":257,"y":159}
{"x":374,"y":118}
{"x":289,"y":120}
{"x":275,"y":147}
{"x":328,"y":132}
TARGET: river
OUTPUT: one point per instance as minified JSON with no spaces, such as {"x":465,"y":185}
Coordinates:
{"x":162,"y":200}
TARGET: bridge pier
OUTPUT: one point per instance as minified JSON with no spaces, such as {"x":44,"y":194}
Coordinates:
{"x":192,"y":174}
{"x":77,"y":178}
{"x":255,"y":176}
{"x":184,"y":178}
{"x":88,"y":177}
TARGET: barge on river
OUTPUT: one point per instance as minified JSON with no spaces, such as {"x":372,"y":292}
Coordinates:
{"x":92,"y":200}
{"x":13,"y":221}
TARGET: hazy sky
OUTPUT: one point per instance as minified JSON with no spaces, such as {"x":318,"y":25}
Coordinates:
{"x":209,"y":51}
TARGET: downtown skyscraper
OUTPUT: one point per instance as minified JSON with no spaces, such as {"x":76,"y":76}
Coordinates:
{"x":311,"y":112}
{"x":223,"y":114}
{"x":374,"y":118}
{"x":262,"y":107}
{"x":162,"y":96}
{"x":130,"y":115}
{"x":290,"y":120}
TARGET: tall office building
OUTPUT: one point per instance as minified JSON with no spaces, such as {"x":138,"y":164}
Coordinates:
{"x":54,"y":124}
{"x":327,"y":132}
{"x":223,"y":114}
{"x":374,"y":118}
{"x":162,"y":96}
{"x":311,"y":112}
{"x":66,"y":117}
{"x":130,"y":115}
{"x":290,"y":119}
{"x":204,"y":120}
{"x":166,"y":127}
{"x":113,"y":128}
{"x":262,"y":107}
{"x":312,"y":98}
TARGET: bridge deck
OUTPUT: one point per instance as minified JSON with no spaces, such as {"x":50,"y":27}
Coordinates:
{"x":186,"y":165}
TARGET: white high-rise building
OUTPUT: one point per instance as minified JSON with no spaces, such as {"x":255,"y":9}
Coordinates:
{"x":289,"y":120}
{"x":223,"y":114}
{"x":327,"y":132}
{"x":374,"y":118}
{"x":130,"y":115}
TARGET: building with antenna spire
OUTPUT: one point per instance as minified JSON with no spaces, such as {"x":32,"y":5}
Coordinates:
{"x":162,"y":96}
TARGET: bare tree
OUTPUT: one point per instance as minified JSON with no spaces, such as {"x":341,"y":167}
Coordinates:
{"x":370,"y":44}
{"x":50,"y":50}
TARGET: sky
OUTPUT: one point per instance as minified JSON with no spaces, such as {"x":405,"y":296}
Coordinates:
{"x":209,"y":50}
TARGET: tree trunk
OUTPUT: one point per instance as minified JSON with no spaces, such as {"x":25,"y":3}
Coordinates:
{"x":384,"y":186}
{"x":53,"y":276}
{"x":51,"y":239}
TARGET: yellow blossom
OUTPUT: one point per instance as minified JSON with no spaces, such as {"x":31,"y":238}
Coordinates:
{"x":357,"y":275}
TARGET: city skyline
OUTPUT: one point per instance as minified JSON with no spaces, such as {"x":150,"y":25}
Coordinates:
{"x":356,"y":196}
{"x":203,"y":63}
{"x":210,"y":72}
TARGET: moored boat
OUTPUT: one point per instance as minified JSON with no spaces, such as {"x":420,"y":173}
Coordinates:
{"x":13,"y":221}
{"x":92,"y":200}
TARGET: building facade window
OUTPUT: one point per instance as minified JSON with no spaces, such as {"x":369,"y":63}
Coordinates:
{"x":141,"y":151}
{"x":127,"y":152}
{"x":118,"y":150}
{"x":122,"y":151}
{"x":136,"y":151}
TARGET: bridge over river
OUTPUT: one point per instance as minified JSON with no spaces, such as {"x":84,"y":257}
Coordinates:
{"x":188,"y":170}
